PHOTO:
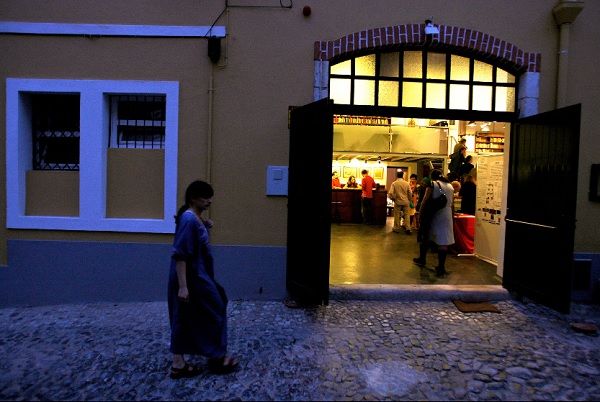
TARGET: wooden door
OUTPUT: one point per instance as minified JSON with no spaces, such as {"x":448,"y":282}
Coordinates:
{"x":309,"y":203}
{"x":542,"y":193}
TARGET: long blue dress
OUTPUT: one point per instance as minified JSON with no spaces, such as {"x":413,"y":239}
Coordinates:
{"x":198,"y":326}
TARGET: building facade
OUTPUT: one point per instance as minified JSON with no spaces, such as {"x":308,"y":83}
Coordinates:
{"x":159,"y":93}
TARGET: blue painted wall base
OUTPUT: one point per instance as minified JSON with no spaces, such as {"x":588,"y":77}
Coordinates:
{"x":57,"y":272}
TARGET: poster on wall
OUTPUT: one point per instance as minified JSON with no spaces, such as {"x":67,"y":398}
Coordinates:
{"x":378,"y":173}
{"x":489,"y":188}
{"x":349,"y":171}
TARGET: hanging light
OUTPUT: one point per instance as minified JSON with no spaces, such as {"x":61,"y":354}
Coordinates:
{"x":471,"y":124}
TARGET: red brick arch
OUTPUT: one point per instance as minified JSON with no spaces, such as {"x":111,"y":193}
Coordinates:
{"x":469,"y":41}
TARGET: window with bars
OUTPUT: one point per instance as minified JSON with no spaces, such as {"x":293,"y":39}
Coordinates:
{"x":137,"y":121}
{"x":422,"y":79}
{"x":55,"y":131}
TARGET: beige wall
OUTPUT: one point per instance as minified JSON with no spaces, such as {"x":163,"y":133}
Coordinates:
{"x":135,"y":183}
{"x":267,"y":65}
{"x":584,"y":88}
{"x":52,"y":193}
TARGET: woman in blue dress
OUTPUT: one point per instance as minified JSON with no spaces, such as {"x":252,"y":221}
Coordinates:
{"x":197,"y":303}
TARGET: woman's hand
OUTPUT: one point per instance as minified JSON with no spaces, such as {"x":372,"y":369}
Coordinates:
{"x":183,"y":294}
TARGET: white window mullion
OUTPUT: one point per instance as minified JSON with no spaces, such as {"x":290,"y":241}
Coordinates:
{"x":92,"y":156}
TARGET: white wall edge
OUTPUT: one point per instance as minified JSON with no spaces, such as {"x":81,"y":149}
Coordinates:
{"x":45,"y":28}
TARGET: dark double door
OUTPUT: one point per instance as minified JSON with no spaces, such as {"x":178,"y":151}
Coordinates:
{"x":542,"y":195}
{"x":540,"y":221}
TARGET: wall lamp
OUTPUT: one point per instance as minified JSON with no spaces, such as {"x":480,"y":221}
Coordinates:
{"x":430,"y":29}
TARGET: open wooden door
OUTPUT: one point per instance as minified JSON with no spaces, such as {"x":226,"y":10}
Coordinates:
{"x":540,"y":219}
{"x":309,"y":203}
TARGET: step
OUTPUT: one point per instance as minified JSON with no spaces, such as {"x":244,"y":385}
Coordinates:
{"x":470,"y":293}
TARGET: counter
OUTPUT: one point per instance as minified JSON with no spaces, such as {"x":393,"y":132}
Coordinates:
{"x":464,"y":234}
{"x":346,"y":205}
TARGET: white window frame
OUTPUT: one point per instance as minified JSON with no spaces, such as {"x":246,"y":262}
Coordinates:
{"x":94,"y":117}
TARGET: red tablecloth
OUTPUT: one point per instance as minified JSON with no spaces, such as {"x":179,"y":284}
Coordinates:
{"x":464,"y":234}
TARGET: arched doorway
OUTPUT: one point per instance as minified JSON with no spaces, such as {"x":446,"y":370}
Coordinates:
{"x":372,"y":73}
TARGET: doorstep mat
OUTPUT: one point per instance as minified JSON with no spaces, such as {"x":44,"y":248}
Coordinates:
{"x":475,"y":307}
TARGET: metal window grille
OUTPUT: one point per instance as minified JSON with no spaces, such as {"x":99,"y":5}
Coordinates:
{"x":55,"y":131}
{"x":137,"y":121}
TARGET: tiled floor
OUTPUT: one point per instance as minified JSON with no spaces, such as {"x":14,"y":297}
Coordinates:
{"x":363,"y":254}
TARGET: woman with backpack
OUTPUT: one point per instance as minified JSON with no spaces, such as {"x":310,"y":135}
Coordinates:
{"x":436,"y":221}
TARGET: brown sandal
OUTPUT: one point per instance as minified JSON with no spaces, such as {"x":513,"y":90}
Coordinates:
{"x":187,"y":371}
{"x":222,"y":365}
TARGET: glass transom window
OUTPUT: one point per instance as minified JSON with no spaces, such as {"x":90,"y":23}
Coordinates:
{"x":422,"y":79}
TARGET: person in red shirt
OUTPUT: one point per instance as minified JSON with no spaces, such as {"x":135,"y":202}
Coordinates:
{"x":367,"y":185}
{"x":335,"y":180}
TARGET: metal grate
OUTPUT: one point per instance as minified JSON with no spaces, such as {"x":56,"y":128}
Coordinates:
{"x":55,"y":131}
{"x":55,"y":150}
{"x":137,"y":121}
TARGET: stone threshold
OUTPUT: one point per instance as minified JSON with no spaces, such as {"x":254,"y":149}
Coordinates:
{"x":469,"y":293}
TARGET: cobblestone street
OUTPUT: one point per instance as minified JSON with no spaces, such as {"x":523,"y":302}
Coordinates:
{"x":349,"y":350}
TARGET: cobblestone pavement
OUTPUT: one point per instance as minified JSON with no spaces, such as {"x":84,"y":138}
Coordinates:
{"x":349,"y":350}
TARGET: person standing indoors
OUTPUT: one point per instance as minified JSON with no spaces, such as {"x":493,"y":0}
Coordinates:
{"x":197,"y":303}
{"x":421,"y":188}
{"x":438,"y":228}
{"x":401,"y":195}
{"x":466,"y":168}
{"x":367,"y":185}
{"x":461,"y":143}
{"x":456,"y":160}
{"x":468,"y":193}
{"x":412,"y":182}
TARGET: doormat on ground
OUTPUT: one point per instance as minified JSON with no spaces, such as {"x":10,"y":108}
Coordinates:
{"x":475,"y":307}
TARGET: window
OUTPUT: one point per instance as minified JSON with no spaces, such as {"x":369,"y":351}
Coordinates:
{"x":137,"y":121}
{"x":66,"y":124}
{"x":55,"y":131}
{"x":422,"y":79}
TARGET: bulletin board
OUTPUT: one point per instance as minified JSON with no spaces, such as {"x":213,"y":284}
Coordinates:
{"x":490,"y":169}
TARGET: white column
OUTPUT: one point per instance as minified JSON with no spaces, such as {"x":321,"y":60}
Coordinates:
{"x":564,"y":13}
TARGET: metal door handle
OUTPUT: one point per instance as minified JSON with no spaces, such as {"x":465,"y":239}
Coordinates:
{"x":531,"y":224}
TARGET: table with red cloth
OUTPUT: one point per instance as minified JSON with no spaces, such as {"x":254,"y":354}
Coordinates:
{"x":464,"y":234}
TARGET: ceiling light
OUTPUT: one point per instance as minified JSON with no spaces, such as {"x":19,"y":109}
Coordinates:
{"x":471,"y":124}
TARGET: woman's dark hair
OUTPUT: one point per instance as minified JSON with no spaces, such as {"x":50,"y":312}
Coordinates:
{"x":196,"y":189}
{"x":436,"y":174}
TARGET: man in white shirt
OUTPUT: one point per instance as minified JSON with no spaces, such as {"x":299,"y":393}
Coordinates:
{"x":401,"y":195}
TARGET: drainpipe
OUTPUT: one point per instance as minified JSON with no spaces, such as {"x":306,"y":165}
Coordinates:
{"x":564,"y":13}
{"x":211,"y":91}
